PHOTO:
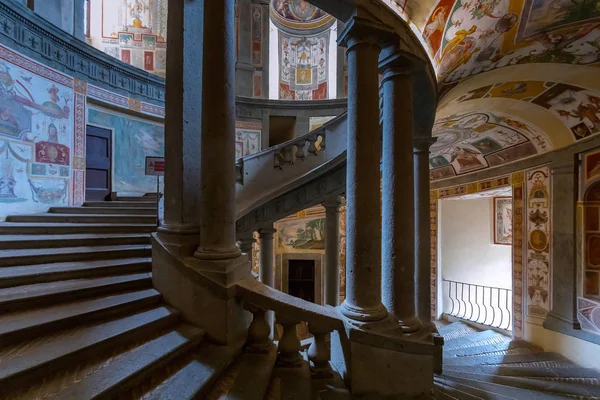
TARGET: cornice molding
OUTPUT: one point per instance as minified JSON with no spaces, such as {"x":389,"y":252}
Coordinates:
{"x":31,"y":35}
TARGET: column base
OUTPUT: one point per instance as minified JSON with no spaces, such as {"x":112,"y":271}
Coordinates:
{"x":181,"y":239}
{"x":410,"y":325}
{"x":363,"y":315}
{"x":217,"y":254}
{"x":378,"y":361}
{"x":202,"y":290}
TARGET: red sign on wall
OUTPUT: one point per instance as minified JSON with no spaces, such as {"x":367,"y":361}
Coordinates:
{"x":155,"y":166}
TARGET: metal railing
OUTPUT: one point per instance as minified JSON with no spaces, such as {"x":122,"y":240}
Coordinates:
{"x":485,"y":305}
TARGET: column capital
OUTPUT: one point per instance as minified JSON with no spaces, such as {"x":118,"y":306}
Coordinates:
{"x":266,"y":232}
{"x":423,"y":143}
{"x":394,"y":62}
{"x":360,"y":30}
{"x":334,"y":202}
{"x":563,"y":167}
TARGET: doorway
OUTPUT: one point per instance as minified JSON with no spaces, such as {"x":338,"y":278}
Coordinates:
{"x":475,"y":258}
{"x":301,"y":279}
{"x":98,"y":163}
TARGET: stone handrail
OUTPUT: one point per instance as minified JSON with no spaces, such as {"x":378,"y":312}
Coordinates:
{"x":264,"y":174}
{"x":290,"y":311}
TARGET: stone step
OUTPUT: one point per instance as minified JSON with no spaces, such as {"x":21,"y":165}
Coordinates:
{"x":558,"y":388}
{"x":247,"y":378}
{"x":25,"y":228}
{"x":31,"y":360}
{"x":127,"y":369}
{"x":514,"y":347}
{"x":46,"y":294}
{"x":119,"y":204}
{"x":474,"y":386}
{"x":82,"y":218}
{"x":14,"y":242}
{"x":527,"y":372}
{"x":11,"y":258}
{"x":461,"y":391}
{"x":189,"y":378}
{"x":19,"y":326}
{"x":104,"y":210}
{"x":139,"y":199}
{"x":40,"y":273}
{"x":476,"y":339}
{"x":290,"y":383}
{"x":443,"y":392}
{"x":503,"y":359}
{"x":456,"y":330}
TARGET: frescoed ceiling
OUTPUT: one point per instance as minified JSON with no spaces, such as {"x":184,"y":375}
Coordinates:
{"x":298,"y":14}
{"x":515,"y":77}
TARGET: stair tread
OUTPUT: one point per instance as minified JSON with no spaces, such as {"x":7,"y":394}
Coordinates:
{"x":52,"y":215}
{"x":38,"y":269}
{"x":127,"y":366}
{"x":476,"y":339}
{"x":491,"y":349}
{"x":63,"y":250}
{"x":452,"y":386}
{"x":447,"y":392}
{"x":291,"y":383}
{"x":531,"y":383}
{"x":71,"y":224}
{"x":247,"y":378}
{"x":454,"y":326}
{"x":197,"y":373}
{"x":510,"y":370}
{"x":30,"y":355}
{"x":69,"y":236}
{"x":504,"y":390}
{"x":43,"y":289}
{"x":18,"y":321}
{"x":504,"y":359}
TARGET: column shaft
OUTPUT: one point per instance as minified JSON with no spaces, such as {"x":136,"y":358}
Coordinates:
{"x":266,"y":275}
{"x":244,"y":69}
{"x":398,"y":248}
{"x":363,"y":219}
{"x":183,"y":119}
{"x":421,"y":227}
{"x":332,"y":252}
{"x":217,"y":170}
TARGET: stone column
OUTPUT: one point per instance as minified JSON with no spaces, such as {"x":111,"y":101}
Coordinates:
{"x":421,"y":226}
{"x":363,"y":219}
{"x":183,"y":120}
{"x":398,"y":244}
{"x":332,"y":251}
{"x":563,"y":200}
{"x":266,"y":275}
{"x":244,"y":70}
{"x":217,"y":169}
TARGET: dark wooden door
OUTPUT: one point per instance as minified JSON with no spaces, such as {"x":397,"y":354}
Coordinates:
{"x":98,"y":156}
{"x":301,"y":279}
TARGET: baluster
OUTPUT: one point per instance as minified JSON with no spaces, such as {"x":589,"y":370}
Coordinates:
{"x":312,"y":145}
{"x":319,"y":353}
{"x":288,"y":155}
{"x":239,"y":171}
{"x":258,"y":333}
{"x":300,"y":153}
{"x":450,"y":296}
{"x":289,"y":344}
{"x":277,"y":160}
{"x":322,"y":145}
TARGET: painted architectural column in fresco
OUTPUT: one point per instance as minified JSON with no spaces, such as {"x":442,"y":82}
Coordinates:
{"x":422,"y":241}
{"x":563,"y":312}
{"x":363,"y":219}
{"x":398,"y":249}
{"x":217,"y":161}
{"x":182,"y":121}
{"x":244,"y":70}
{"x":267,"y":262}
{"x":341,"y":65}
{"x":332,"y":251}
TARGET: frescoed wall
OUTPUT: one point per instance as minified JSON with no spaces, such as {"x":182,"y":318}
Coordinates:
{"x":538,"y":242}
{"x":304,"y":66}
{"x":247,"y":138}
{"x":133,"y":31}
{"x":133,"y":140}
{"x":37,"y":128}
